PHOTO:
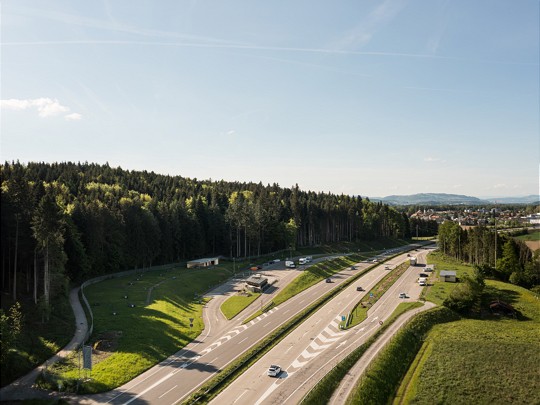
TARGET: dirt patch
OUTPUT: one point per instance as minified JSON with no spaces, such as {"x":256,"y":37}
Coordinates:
{"x":105,"y":345}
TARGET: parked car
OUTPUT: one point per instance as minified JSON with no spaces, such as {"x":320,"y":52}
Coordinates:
{"x":274,"y":370}
{"x":422,"y":283}
{"x":423,"y":275}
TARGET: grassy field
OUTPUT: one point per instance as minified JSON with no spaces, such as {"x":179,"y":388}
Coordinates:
{"x":237,"y":303}
{"x":491,"y":360}
{"x":530,"y":236}
{"x":132,"y":334}
{"x":439,"y":291}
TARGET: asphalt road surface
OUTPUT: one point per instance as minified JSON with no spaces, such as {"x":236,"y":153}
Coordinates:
{"x":308,"y":353}
{"x":222,"y":341}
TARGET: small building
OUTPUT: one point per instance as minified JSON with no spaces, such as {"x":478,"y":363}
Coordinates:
{"x":448,"y":276}
{"x":256,"y":283}
{"x":206,"y":262}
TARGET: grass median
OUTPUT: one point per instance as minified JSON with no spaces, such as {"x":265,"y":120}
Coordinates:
{"x":360,"y":310}
{"x":237,"y":303}
{"x":323,"y":390}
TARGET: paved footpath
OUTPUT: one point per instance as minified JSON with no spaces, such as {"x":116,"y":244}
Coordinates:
{"x":23,"y":388}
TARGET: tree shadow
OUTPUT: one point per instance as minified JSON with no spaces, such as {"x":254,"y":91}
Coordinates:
{"x":507,"y":296}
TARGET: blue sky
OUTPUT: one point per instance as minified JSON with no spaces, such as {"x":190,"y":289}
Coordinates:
{"x":367,"y":98}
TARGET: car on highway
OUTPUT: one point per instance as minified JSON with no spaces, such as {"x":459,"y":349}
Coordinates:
{"x":387,"y":267}
{"x":274,"y":370}
{"x":353,"y":267}
{"x":328,"y":280}
{"x":359,"y":288}
{"x":403,"y":295}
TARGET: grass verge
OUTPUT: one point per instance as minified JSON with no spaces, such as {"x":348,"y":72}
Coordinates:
{"x":211,"y":388}
{"x":378,"y":384}
{"x":359,"y":312}
{"x":311,"y":276}
{"x":139,"y":321}
{"x":237,"y":303}
{"x":490,"y":360}
{"x":322,"y":392}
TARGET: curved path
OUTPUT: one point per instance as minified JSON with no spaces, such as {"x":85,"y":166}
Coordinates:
{"x":22,"y":388}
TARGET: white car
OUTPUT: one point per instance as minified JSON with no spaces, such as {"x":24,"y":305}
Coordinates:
{"x":273,"y":370}
{"x":403,"y":295}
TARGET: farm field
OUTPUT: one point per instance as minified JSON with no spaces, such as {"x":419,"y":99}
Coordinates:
{"x":490,"y":360}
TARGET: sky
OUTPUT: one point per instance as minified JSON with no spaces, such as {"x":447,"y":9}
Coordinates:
{"x":369,"y":98}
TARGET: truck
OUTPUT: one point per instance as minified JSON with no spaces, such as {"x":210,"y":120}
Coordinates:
{"x":413,"y":261}
{"x":289,"y":264}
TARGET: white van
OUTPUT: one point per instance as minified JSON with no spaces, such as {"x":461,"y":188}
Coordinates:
{"x":302,"y":260}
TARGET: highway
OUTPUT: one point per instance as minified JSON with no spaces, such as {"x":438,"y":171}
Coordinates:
{"x":309,"y":352}
{"x":222,"y":341}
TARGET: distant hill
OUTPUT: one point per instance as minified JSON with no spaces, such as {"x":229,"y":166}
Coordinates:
{"x":529,"y":199}
{"x":452,"y":199}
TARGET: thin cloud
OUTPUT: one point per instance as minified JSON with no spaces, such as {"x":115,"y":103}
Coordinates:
{"x":111,"y":25}
{"x":365,"y":29}
{"x":430,"y":159}
{"x":45,"y":107}
{"x":73,"y":117}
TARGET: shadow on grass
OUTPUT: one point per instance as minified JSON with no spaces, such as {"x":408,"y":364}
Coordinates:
{"x":508,"y":296}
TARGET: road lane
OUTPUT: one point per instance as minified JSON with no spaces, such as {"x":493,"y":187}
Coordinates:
{"x":310,"y":351}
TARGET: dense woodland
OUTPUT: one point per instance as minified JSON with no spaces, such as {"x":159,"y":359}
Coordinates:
{"x":67,"y":222}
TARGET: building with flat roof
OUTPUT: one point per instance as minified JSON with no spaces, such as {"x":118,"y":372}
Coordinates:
{"x":256,"y":283}
{"x":205,"y":262}
{"x":448,"y":276}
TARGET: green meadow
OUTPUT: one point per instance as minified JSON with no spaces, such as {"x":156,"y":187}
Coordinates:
{"x":138,"y":322}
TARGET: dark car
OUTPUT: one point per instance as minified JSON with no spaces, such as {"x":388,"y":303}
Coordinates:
{"x":359,"y":288}
{"x":328,"y":280}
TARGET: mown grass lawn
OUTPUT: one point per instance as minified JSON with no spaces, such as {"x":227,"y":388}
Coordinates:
{"x":141,"y":336}
{"x":237,"y":303}
{"x":530,"y":236}
{"x":438,"y":292}
{"x":493,"y":360}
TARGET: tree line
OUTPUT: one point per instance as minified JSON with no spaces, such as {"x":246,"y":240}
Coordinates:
{"x":493,"y":254}
{"x":67,"y":222}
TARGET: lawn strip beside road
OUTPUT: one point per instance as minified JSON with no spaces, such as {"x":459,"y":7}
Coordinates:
{"x":122,"y":333}
{"x":359,"y":313}
{"x":214,"y":386}
{"x":322,"y":391}
{"x":474,"y":351}
{"x":237,"y":303}
{"x":309,"y":352}
{"x":378,"y":384}
{"x":309,"y":277}
{"x":211,"y":388}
